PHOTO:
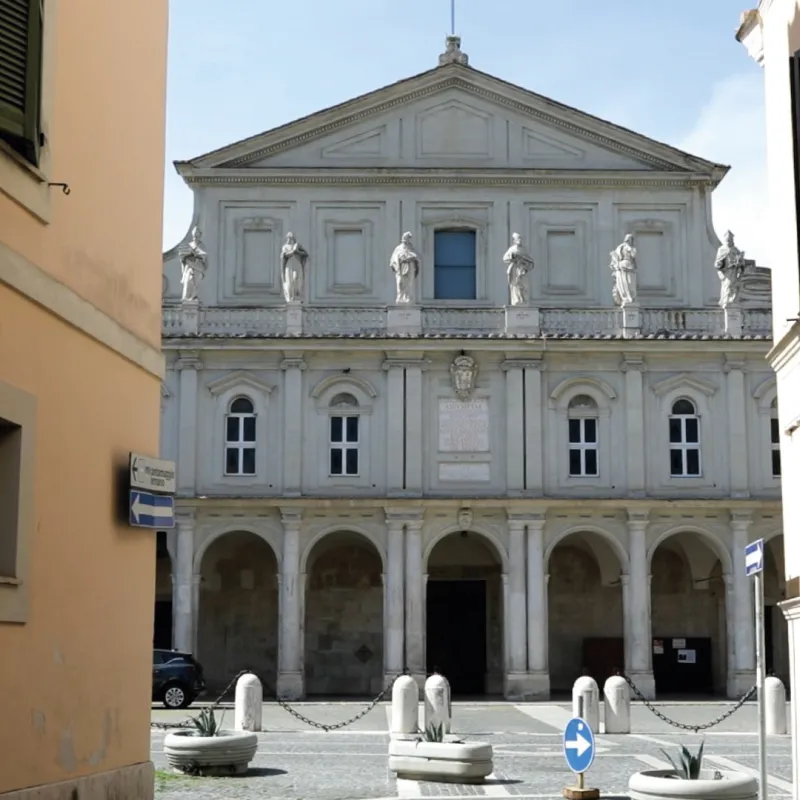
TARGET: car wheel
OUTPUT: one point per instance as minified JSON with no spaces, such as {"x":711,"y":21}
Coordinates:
{"x":176,"y":696}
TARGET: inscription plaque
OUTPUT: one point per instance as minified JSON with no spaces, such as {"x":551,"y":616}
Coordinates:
{"x":464,"y":426}
{"x":465,"y":472}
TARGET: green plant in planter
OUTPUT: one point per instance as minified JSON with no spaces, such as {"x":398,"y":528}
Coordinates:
{"x":205,"y":723}
{"x":688,"y":766}
{"x":434,"y":733}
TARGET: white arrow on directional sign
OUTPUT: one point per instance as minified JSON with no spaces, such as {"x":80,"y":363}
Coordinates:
{"x":581,"y":744}
{"x":754,"y":557}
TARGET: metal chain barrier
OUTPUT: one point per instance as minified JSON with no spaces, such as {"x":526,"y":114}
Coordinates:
{"x":188,"y":723}
{"x":682,"y":725}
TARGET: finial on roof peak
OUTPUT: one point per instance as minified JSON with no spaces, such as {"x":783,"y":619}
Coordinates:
{"x":452,"y":52}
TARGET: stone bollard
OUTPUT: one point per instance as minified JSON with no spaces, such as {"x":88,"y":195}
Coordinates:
{"x":405,"y":708}
{"x":437,"y":702}
{"x":448,"y":726}
{"x":586,"y":702}
{"x":617,"y":705}
{"x":775,"y":706}
{"x":249,"y":700}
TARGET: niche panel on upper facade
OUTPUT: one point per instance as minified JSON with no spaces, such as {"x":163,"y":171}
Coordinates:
{"x":563,"y":244}
{"x":348,"y":242}
{"x":252,"y":236}
{"x":661,"y":247}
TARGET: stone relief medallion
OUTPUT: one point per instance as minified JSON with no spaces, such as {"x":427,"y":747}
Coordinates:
{"x":464,"y":375}
{"x":465,"y":518}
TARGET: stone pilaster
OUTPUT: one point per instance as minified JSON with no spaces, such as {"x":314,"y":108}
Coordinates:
{"x":183,"y":585}
{"x":538,"y":683}
{"x":292,"y":425}
{"x":515,"y":426}
{"x":737,"y":428}
{"x":415,"y":601}
{"x":743,"y":608}
{"x":188,"y":365}
{"x":636,"y":608}
{"x":290,"y":674}
{"x":394,"y":598}
{"x":633,"y":366}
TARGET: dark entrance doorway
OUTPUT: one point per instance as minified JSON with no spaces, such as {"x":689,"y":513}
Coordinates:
{"x":456,"y":634}
{"x":162,"y":625}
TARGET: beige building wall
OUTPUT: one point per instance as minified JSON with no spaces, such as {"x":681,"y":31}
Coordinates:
{"x":80,"y":374}
{"x":771,"y":34}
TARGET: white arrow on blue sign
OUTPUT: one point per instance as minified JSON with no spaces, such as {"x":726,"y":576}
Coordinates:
{"x":151,"y":510}
{"x":578,"y":745}
{"x":754,"y":557}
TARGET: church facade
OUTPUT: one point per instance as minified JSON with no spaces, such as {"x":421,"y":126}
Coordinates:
{"x":460,"y":377}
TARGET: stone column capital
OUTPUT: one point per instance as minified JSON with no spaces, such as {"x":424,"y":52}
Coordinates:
{"x":522,"y":363}
{"x":185,"y":519}
{"x":741,"y":520}
{"x":292,"y":518}
{"x":293,"y":362}
{"x":189,"y":360}
{"x":633,"y":362}
{"x":637,"y":518}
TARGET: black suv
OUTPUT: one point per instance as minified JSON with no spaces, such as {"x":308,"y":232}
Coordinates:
{"x":177,"y":678}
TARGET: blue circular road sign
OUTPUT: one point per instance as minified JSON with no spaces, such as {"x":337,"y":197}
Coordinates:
{"x":578,"y":745}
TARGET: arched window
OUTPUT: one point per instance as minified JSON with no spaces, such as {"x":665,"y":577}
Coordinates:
{"x":240,"y":438}
{"x":775,"y":439}
{"x":684,"y":440}
{"x":344,"y":436}
{"x":583,"y":425}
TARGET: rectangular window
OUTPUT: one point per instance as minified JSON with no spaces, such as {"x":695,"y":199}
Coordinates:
{"x":775,"y":447}
{"x":684,"y":447}
{"x":454,"y":265}
{"x":21,"y":39}
{"x":240,"y":448}
{"x":344,"y":446}
{"x":583,"y":447}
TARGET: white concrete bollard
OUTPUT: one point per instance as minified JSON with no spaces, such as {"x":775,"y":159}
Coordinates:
{"x":775,"y":706}
{"x":249,"y":701}
{"x":586,"y":702}
{"x":437,"y":702}
{"x":448,"y":726}
{"x":617,"y":705}
{"x":405,"y":707}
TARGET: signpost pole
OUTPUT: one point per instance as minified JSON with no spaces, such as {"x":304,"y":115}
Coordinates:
{"x":758,"y":586}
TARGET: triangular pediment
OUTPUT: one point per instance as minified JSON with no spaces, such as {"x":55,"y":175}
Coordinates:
{"x":452,"y":115}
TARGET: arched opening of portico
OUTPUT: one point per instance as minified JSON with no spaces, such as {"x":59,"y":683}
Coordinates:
{"x":464,"y":614}
{"x":238,"y":609}
{"x":585,"y":619}
{"x":776,"y":633}
{"x":688,"y":617}
{"x":344,"y":617}
{"x":162,"y":615}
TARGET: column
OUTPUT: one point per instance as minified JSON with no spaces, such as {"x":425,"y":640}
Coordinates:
{"x":290,"y":674}
{"x":414,"y":428}
{"x":515,"y":618}
{"x":182,"y":585}
{"x":394,"y":600}
{"x":729,"y":623}
{"x":537,"y":617}
{"x":737,"y":429}
{"x":633,"y":367}
{"x":415,"y":600}
{"x":534,"y":438}
{"x":743,"y":606}
{"x":636,"y":607}
{"x":188,"y":365}
{"x":515,"y":427}
{"x":395,"y":428}
{"x":293,"y":425}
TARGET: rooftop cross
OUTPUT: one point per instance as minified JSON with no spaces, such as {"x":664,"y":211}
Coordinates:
{"x":452,"y":50}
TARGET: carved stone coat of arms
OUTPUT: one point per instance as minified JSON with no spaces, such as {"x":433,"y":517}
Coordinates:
{"x":464,"y":375}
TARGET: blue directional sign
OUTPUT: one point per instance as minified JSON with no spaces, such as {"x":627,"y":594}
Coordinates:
{"x":578,"y":745}
{"x":754,"y":557}
{"x":151,"y":510}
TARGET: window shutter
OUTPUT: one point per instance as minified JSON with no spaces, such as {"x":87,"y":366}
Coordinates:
{"x":20,"y":74}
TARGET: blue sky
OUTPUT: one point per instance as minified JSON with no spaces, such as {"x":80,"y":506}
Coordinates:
{"x":672,"y":71}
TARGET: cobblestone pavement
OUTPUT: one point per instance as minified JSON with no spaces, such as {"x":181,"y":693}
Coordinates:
{"x":296,"y":762}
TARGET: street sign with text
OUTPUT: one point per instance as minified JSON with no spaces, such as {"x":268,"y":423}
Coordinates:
{"x":152,"y":474}
{"x":151,"y":510}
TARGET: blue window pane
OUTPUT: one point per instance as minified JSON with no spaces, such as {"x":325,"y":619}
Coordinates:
{"x":454,"y":249}
{"x":454,"y":283}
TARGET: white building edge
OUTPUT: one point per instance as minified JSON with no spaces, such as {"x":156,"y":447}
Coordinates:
{"x":514,"y":494}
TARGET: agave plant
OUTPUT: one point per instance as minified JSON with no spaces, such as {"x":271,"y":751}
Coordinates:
{"x":687,"y":766}
{"x":434,"y":733}
{"x":205,"y":723}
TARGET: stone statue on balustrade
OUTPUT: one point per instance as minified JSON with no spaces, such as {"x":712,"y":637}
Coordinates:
{"x":193,"y":267}
{"x":518,"y":265}
{"x":730,"y":266}
{"x":294,"y":258}
{"x":623,"y":268}
{"x":405,"y":265}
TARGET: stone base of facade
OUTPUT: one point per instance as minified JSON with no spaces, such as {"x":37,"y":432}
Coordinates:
{"x":522,"y":319}
{"x":740,"y":683}
{"x":404,"y":319}
{"x":134,"y":782}
{"x":645,"y":683}
{"x":522,"y":687}
{"x":290,"y":686}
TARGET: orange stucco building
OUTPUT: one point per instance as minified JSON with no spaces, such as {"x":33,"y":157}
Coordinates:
{"x":80,"y":387}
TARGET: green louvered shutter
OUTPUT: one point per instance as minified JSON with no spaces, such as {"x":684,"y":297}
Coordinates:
{"x":20,"y":74}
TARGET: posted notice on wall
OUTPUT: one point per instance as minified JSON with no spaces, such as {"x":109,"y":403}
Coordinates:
{"x":687,"y":656}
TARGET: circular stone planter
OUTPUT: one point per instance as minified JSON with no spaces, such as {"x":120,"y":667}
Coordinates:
{"x":228,"y":753}
{"x":450,"y":762}
{"x":663,"y":784}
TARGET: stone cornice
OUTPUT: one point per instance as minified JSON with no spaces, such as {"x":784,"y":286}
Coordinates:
{"x":500,"y":178}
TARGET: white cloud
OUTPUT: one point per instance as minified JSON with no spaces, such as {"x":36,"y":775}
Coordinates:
{"x":731,"y":130}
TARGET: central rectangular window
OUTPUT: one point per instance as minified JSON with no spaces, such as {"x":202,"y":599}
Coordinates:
{"x":684,"y":441}
{"x":454,"y":265}
{"x":344,"y":446}
{"x":583,"y":447}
